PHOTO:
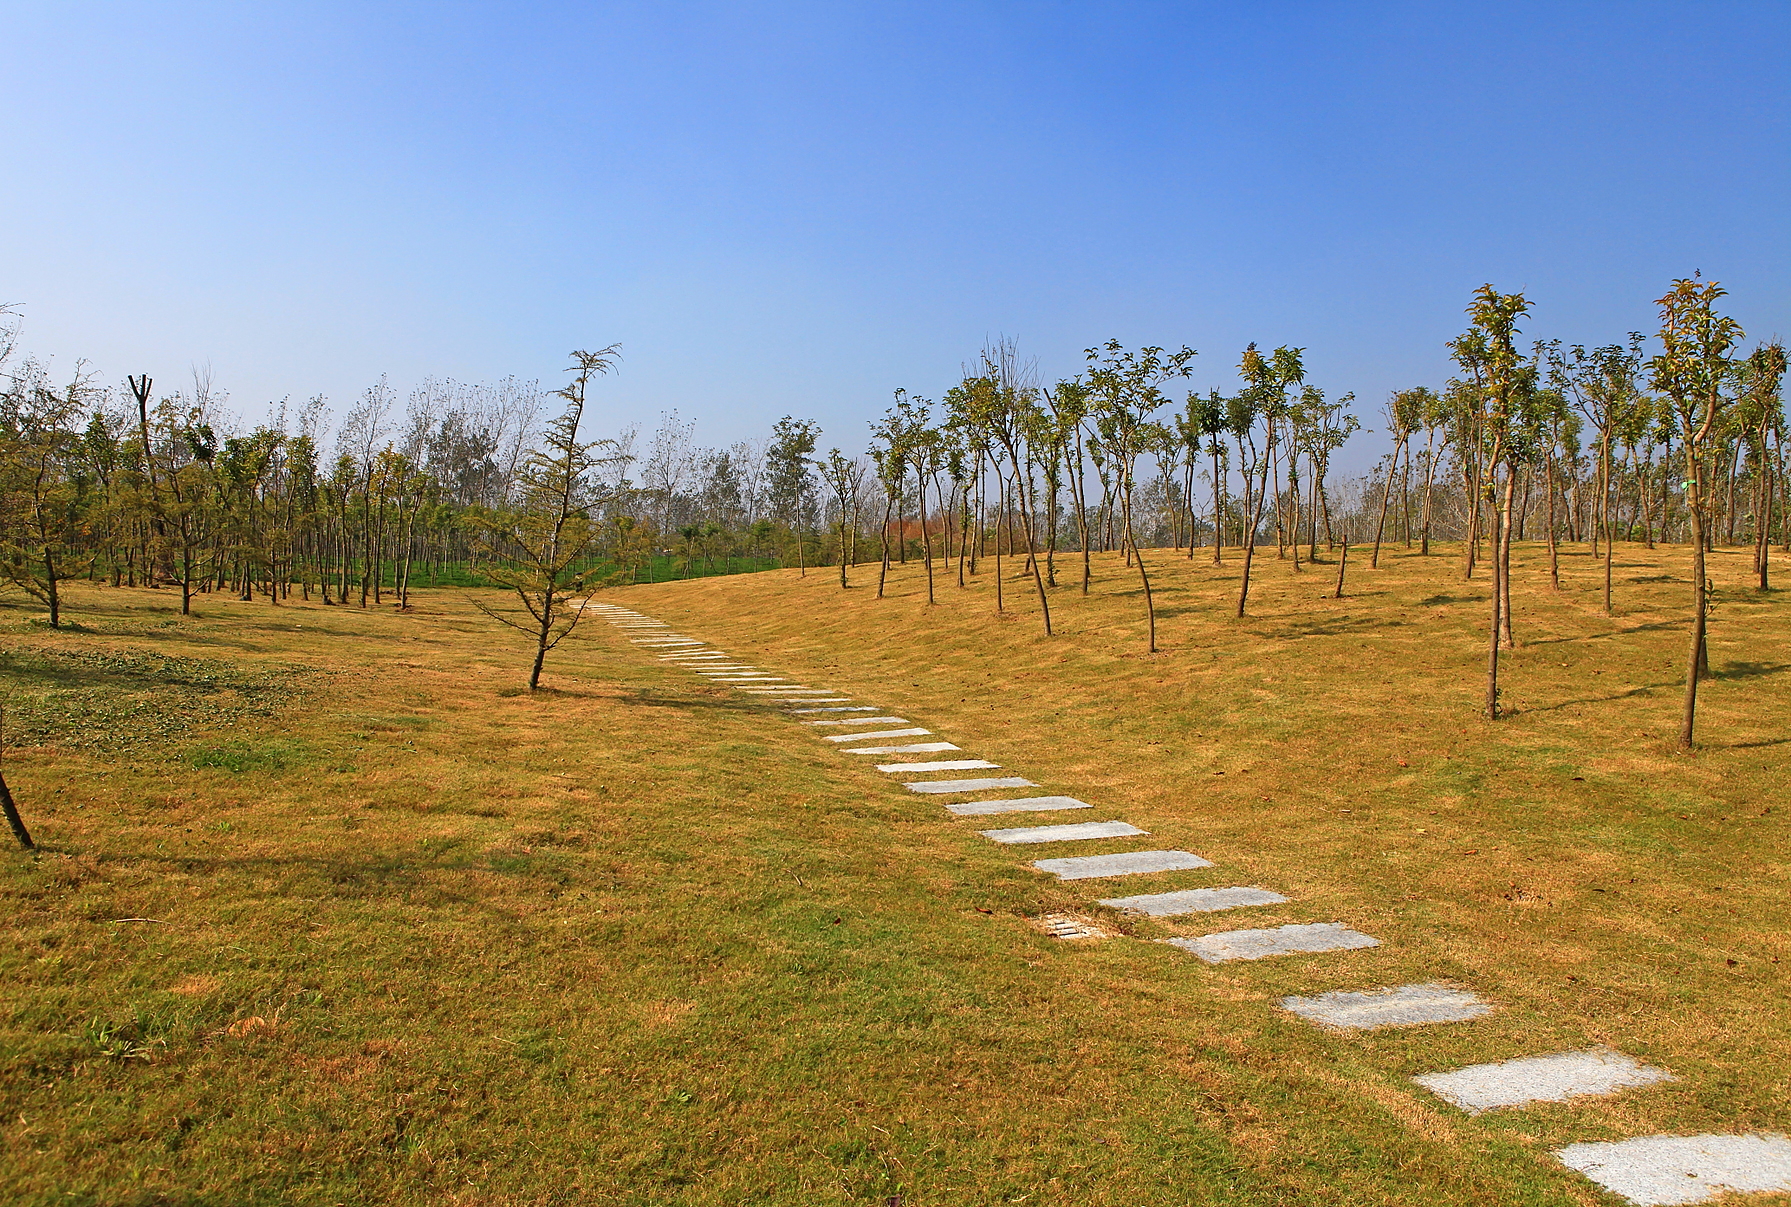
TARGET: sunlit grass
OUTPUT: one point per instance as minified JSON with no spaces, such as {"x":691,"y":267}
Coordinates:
{"x":408,"y":938}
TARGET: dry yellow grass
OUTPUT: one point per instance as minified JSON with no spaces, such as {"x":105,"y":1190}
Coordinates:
{"x":639,"y":940}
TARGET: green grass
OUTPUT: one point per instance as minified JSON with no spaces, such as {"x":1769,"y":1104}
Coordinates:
{"x":403,"y":937}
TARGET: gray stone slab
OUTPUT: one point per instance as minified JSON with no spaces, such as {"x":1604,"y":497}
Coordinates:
{"x":1296,"y":939}
{"x":851,"y":708}
{"x":766,"y":680}
{"x":782,"y":687}
{"x":1127,"y":863}
{"x":872,"y":736}
{"x":806,"y":699}
{"x":1402,"y":1006}
{"x":1556,"y":1078}
{"x":1032,"y":804}
{"x":1660,"y":1171}
{"x":983,"y":785}
{"x":695,"y":655}
{"x":1194,"y":901}
{"x":946,"y":765}
{"x":914,"y":748}
{"x":1074,"y":832}
{"x":854,"y":720}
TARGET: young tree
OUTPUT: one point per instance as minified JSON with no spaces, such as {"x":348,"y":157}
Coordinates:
{"x":787,"y":468}
{"x":1487,"y":350}
{"x":42,"y":503}
{"x":548,"y":532}
{"x":1126,"y":388}
{"x":1693,"y":367}
{"x":1602,"y":386}
{"x":1264,"y":398}
{"x":1762,"y":420}
{"x":844,"y":477}
{"x":1405,"y":415}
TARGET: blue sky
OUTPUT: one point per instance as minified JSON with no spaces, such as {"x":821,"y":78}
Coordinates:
{"x":789,"y":208}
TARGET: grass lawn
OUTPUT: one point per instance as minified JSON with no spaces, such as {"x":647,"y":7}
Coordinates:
{"x":328,"y":911}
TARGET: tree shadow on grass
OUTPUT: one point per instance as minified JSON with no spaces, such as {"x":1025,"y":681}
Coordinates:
{"x":1341,"y":626}
{"x":1632,"y":693}
{"x":1651,"y":627}
{"x":1749,"y":670}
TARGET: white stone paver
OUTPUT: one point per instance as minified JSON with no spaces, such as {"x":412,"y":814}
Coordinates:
{"x":946,"y":765}
{"x":914,"y":748}
{"x":862,"y":737}
{"x":850,"y":708}
{"x":1194,"y":901}
{"x":1020,"y":835}
{"x":854,"y":720}
{"x":1401,"y":1006}
{"x":977,"y":785}
{"x":1032,"y":804}
{"x":1528,"y":1079}
{"x":1297,"y":939}
{"x":1661,"y":1171}
{"x":1127,"y":863}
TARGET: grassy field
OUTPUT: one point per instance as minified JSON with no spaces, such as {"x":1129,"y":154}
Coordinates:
{"x":329,"y":912}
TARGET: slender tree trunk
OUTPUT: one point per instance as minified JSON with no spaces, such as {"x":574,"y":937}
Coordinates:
{"x":1492,"y":646}
{"x":1554,"y":556}
{"x":883,"y":571}
{"x":1374,"y":560}
{"x":1698,"y":657}
{"x":1342,"y":561}
{"x":1502,"y":552}
{"x":12,"y":816}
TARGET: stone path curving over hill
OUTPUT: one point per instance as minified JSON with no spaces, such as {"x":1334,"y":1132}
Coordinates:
{"x":1651,"y":1171}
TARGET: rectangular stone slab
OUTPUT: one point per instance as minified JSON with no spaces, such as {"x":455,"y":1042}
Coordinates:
{"x":1077,"y":831}
{"x":946,"y":765}
{"x":807,"y":699}
{"x":1556,"y":1078}
{"x":1005,"y":781}
{"x":852,"y":708}
{"x":1660,"y":1171}
{"x":1194,"y":901}
{"x":863,"y":737}
{"x":1032,"y":804}
{"x":1401,"y":1006}
{"x":1127,"y":863}
{"x":916,"y":748}
{"x":853,"y":720}
{"x":1297,"y":939}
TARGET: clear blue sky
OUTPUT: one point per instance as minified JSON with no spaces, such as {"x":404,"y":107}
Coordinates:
{"x":797,"y":208}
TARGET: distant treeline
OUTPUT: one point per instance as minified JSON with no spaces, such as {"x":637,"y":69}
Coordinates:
{"x":130,"y":484}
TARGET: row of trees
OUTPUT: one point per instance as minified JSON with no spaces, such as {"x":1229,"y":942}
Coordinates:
{"x":1678,"y":440}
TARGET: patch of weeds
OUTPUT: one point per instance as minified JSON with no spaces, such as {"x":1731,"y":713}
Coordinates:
{"x":237,"y":757}
{"x":141,"y":1037}
{"x":125,"y":699}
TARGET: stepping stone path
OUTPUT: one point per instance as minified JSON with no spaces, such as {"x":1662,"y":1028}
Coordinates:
{"x":1033,"y":804}
{"x":1129,"y":863}
{"x":947,"y":765}
{"x":1280,"y":941}
{"x":1405,"y":1006}
{"x":1647,"y":1170}
{"x":915,"y":748}
{"x":861,"y":737}
{"x":1480,"y":1088}
{"x":1656,"y":1171}
{"x":1071,"y":833}
{"x":1194,"y":901}
{"x":1005,"y":781}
